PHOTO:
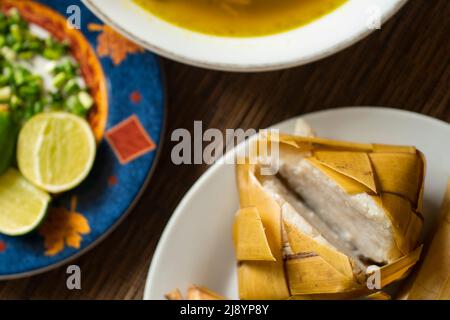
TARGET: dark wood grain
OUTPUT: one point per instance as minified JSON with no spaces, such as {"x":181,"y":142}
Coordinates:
{"x":405,"y":65}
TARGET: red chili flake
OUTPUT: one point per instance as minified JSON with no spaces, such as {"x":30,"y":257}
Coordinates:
{"x":2,"y":246}
{"x":129,"y":140}
{"x":136,"y":97}
{"x":112,"y":181}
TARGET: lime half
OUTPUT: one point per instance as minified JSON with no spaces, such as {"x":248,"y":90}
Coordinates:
{"x":56,"y":151}
{"x":22,"y":205}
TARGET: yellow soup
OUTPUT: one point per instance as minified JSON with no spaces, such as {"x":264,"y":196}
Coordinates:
{"x":240,"y":18}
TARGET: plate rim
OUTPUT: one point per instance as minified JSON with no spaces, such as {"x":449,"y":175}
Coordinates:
{"x":233,"y":67}
{"x":210,"y":171}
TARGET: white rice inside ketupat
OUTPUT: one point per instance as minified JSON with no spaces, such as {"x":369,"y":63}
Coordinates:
{"x":293,"y":211}
{"x":360,"y":224}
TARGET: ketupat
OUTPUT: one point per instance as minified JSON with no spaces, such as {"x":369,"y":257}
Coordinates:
{"x":194,"y":293}
{"x":432,"y":280}
{"x":380,"y":188}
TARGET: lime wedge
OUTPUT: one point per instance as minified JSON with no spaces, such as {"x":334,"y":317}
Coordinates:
{"x":56,"y":151}
{"x":22,"y":205}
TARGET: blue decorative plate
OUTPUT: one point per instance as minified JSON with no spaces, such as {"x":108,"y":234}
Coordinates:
{"x":81,"y":218}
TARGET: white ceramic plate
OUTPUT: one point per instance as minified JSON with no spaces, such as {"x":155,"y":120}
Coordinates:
{"x":330,"y":34}
{"x":197,"y":248}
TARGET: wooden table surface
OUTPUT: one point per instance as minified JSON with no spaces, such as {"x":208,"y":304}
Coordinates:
{"x":403,"y":65}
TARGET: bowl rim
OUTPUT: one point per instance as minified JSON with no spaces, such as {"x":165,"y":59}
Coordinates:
{"x":243,"y":67}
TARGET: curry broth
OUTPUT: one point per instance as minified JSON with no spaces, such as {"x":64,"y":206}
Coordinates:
{"x":239,"y":18}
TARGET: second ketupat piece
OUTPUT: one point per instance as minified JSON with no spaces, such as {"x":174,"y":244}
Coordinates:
{"x":335,"y":213}
{"x":194,"y":293}
{"x":432,"y":279}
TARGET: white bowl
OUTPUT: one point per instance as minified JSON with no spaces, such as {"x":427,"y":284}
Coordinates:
{"x":323,"y":37}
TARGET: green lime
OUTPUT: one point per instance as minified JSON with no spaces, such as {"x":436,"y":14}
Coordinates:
{"x":23,"y":206}
{"x":8,"y":137}
{"x":56,"y":151}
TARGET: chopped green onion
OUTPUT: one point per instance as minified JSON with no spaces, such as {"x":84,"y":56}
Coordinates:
{"x":26,"y":55}
{"x":52,"y":53}
{"x":75,"y":106}
{"x":59,"y":80}
{"x":71,"y":87}
{"x":20,"y":76}
{"x":85,"y":99}
{"x":28,"y":91}
{"x":23,"y":91}
{"x":5,"y":94}
{"x":14,"y":15}
{"x":15,"y":102}
{"x":8,"y":53}
{"x":16,"y":32}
